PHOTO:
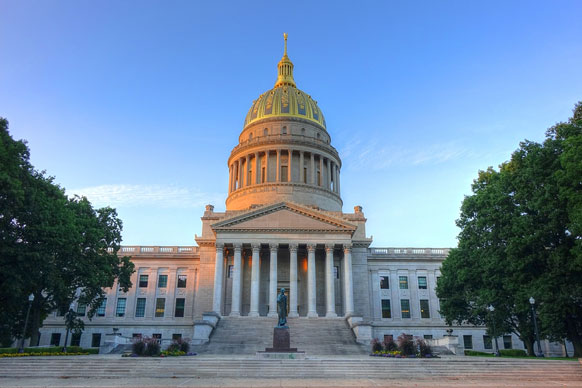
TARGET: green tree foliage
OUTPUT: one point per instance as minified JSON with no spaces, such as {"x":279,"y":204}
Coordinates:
{"x":521,"y":236}
{"x":59,"y":249}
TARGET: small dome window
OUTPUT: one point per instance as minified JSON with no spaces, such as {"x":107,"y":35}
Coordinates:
{"x":266,"y":132}
{"x":318,"y":136}
{"x":284,"y":131}
{"x":303,"y":131}
{"x":250,"y":136}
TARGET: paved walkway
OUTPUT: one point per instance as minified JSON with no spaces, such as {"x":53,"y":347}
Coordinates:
{"x":325,"y":371}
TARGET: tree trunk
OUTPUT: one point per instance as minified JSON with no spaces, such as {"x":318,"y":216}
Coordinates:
{"x":574,"y":337}
{"x":34,"y":325}
{"x":529,"y":346}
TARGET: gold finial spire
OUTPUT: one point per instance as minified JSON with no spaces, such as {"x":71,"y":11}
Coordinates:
{"x":285,"y":67}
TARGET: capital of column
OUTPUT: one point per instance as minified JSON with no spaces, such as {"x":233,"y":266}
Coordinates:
{"x":256,"y":247}
{"x":311,"y":247}
{"x":329,"y":248}
{"x":237,"y":247}
{"x":293,"y":247}
{"x":219,"y":246}
{"x":273,"y":247}
{"x":347,"y":248}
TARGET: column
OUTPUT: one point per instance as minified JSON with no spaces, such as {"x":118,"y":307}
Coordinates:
{"x":328,"y":175}
{"x":289,"y":165}
{"x":312,"y":169}
{"x":338,"y":181}
{"x":278,"y":172}
{"x":273,"y":281}
{"x":266,"y":166}
{"x":329,"y":283}
{"x":320,"y":183}
{"x":255,"y":272}
{"x":257,"y":178}
{"x":348,"y":283}
{"x":236,"y":281}
{"x":311,"y":297}
{"x":293,"y":281}
{"x":335,"y":172}
{"x":247,"y":165}
{"x":240,"y":173}
{"x":230,"y":168}
{"x":301,"y":167}
{"x":218,"y":268}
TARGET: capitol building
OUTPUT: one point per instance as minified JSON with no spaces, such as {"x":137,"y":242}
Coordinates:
{"x":285,"y":226}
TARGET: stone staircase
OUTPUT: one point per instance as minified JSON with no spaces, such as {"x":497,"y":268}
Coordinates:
{"x":246,"y":335}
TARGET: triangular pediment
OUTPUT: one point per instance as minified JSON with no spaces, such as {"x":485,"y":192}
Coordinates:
{"x":284,"y":217}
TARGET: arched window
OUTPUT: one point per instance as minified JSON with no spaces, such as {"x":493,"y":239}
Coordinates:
{"x":318,"y":136}
{"x":303,"y":131}
{"x":284,"y":131}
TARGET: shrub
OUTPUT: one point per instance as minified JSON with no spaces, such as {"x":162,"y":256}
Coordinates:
{"x":7,"y":350}
{"x":152,"y":347}
{"x":423,"y":347}
{"x":389,"y":345}
{"x":406,"y":345}
{"x":138,"y":347}
{"x":91,"y":350}
{"x":179,"y":345}
{"x":513,"y":353}
{"x":476,"y":353}
{"x":376,"y":345}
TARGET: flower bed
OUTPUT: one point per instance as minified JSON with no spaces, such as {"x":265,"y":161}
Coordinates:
{"x":405,"y":348}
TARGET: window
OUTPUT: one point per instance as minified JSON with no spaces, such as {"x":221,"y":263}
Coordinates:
{"x":265,"y":132}
{"x":61,"y":311}
{"x":468,"y":341}
{"x":76,"y":339}
{"x":403,"y":280}
{"x":176,"y":337}
{"x":263,"y":171}
{"x":136,"y":335}
{"x":283,"y":176}
{"x":284,"y":131}
{"x":96,"y":340}
{"x":250,"y":136}
{"x":507,"y":342}
{"x":120,"y":310}
{"x":157,"y":337}
{"x":55,"y":339}
{"x":179,"y":307}
{"x":162,"y":281}
{"x":304,"y":174}
{"x":230,"y":271}
{"x":386,"y":313}
{"x":422,"y":283}
{"x":160,"y":307}
{"x":336,"y":271}
{"x":182,"y":281}
{"x":384,"y":284}
{"x":318,"y":178}
{"x":487,"y":344}
{"x":424,"y":309}
{"x":143,"y":281}
{"x":405,"y":307}
{"x":427,"y":336}
{"x":140,"y":307}
{"x":101,"y":309}
{"x":81,"y":309}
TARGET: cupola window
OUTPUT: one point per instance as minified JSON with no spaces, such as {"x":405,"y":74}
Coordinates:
{"x":284,"y":131}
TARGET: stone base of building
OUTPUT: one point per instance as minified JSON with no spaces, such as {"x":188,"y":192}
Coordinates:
{"x":297,"y":355}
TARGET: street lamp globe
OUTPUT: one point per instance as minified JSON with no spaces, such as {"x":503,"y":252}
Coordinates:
{"x":532,"y":301}
{"x":491,"y":308}
{"x":31,"y":297}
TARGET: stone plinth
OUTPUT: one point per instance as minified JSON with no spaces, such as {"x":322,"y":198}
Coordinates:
{"x":281,"y":347}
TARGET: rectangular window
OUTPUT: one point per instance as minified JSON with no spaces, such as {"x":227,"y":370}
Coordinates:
{"x":386,"y":313}
{"x":182,"y":281}
{"x":388,"y":338}
{"x":101,"y":309}
{"x":96,"y":340}
{"x":55,"y":339}
{"x":229,"y":274}
{"x":487,"y":344}
{"x":143,"y":281}
{"x":403,"y":280}
{"x":157,"y":337}
{"x":136,"y":335}
{"x":120,"y":310}
{"x":140,"y":307}
{"x":179,"y":307}
{"x":468,"y":341}
{"x":176,"y":337}
{"x":422,"y":283}
{"x":283,"y":174}
{"x":336,"y":272}
{"x":405,"y":307}
{"x":384,"y":283}
{"x":160,"y":307}
{"x":76,"y":339}
{"x":162,"y":281}
{"x":507,"y":342}
{"x":424,"y":310}
{"x":318,"y":178}
{"x":263,"y":175}
{"x":61,"y":311}
{"x":81,"y":309}
{"x":304,"y":174}
{"x":428,"y":336}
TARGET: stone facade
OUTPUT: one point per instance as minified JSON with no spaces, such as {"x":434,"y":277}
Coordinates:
{"x":283,"y":227}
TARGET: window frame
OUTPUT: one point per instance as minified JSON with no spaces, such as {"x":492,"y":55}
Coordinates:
{"x":162,"y":280}
{"x":425,"y":285}
{"x":384,"y":309}
{"x":403,"y":282}
{"x":405,"y":313}
{"x":120,"y":307}
{"x":424,"y":313}
{"x":160,"y":310}
{"x":387,"y":278}
{"x":182,"y":281}
{"x":143,"y":281}
{"x":183,"y":308}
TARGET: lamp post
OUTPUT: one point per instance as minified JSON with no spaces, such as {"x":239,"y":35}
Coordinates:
{"x":532,"y":302}
{"x":491,"y":309}
{"x":68,"y":318}
{"x":30,"y":300}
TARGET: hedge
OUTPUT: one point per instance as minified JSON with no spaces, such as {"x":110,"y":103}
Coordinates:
{"x":476,"y":353}
{"x":513,"y":353}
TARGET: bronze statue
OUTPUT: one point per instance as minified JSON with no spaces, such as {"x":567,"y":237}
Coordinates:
{"x":282,"y":308}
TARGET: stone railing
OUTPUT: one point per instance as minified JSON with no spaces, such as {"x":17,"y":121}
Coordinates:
{"x":156,"y":250}
{"x":408,"y":252}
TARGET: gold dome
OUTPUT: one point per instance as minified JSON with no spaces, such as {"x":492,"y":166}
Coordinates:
{"x":285,"y":100}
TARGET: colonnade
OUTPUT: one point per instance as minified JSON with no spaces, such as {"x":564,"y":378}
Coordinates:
{"x":314,"y":169}
{"x":293,"y":296}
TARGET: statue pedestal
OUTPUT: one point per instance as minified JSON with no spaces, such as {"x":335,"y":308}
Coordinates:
{"x":281,"y":347}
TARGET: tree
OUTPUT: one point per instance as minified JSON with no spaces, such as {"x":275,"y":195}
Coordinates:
{"x":521,"y":236}
{"x":60,"y":249}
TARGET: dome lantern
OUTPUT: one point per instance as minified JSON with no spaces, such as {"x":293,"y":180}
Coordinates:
{"x":285,"y":69}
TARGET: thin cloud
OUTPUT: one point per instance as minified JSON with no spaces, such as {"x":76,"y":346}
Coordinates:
{"x":147,"y":195}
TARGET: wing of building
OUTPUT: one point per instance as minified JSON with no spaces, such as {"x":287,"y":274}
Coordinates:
{"x":283,"y":227}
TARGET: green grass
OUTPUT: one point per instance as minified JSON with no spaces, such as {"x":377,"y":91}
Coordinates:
{"x":483,"y":354}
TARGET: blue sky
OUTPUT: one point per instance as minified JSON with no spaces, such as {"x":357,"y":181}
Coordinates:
{"x":137,"y":104}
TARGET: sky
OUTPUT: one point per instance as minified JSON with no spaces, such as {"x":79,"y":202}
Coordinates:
{"x":137,"y":104}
